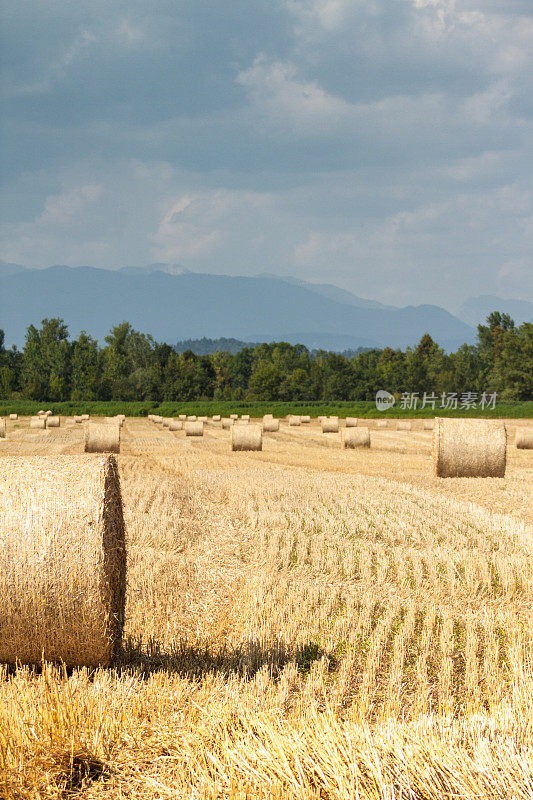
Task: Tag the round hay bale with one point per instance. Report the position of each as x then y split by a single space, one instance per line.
234 416
245 417
193 428
330 425
294 421
246 437
183 417
78 420
13 416
404 425
38 422
524 438
47 413
305 419
355 437
202 419
216 417
41 413
381 423
351 422
176 425
2 429
227 423
102 438
270 425
85 418
53 422
469 448
167 421
268 416
192 418
321 419
62 560
157 419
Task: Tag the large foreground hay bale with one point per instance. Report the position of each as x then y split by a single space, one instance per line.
194 428
2 428
351 422
404 425
524 438
330 425
469 448
102 438
62 560
355 437
53 422
176 425
294 421
227 423
38 422
246 437
13 416
270 425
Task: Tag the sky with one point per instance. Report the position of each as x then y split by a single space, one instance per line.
381 145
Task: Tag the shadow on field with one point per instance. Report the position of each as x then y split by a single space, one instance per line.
191 662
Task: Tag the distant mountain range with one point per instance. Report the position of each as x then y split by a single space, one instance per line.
171 304
476 309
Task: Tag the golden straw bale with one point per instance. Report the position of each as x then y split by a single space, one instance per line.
193 428
53 422
404 425
78 420
2 428
102 438
469 448
13 416
246 437
216 417
157 419
234 416
202 419
330 425
381 423
321 419
268 416
355 437
62 560
428 425
192 418
167 421
176 425
41 413
38 422
227 423
183 417
246 417
305 419
85 418
351 422
294 421
270 425
48 413
524 438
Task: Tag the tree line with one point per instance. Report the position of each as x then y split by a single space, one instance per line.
132 366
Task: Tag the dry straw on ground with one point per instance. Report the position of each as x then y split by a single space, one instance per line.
102 438
404 425
62 560
355 437
2 428
351 422
246 437
13 416
524 438
428 425
469 448
330 425
53 422
38 422
193 428
270 425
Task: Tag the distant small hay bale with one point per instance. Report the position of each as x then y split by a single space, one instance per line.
246 437
524 438
469 448
193 428
404 425
48 413
2 429
53 422
381 423
227 423
202 419
192 418
330 425
41 413
62 560
428 425
245 417
78 419
183 417
216 417
268 416
351 422
157 419
270 425
167 422
305 419
38 422
294 421
176 425
234 416
321 419
13 416
355 437
102 438
112 421
85 418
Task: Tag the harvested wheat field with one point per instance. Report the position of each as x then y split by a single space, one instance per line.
303 621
